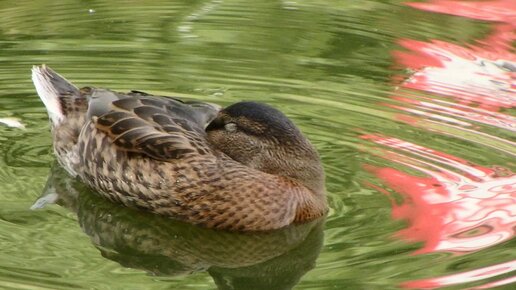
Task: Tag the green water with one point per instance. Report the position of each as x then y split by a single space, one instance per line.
328 65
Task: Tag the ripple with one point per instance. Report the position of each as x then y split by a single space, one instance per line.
329 66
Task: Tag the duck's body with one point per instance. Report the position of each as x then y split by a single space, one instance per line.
155 153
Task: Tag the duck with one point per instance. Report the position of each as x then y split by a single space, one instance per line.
244 167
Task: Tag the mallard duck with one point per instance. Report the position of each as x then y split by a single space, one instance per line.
246 167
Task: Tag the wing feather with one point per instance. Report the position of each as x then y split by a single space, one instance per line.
161 128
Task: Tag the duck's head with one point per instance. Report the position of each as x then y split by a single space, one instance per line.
263 138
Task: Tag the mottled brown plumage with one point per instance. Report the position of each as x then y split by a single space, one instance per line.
246 167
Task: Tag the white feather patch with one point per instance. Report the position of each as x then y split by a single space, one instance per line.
47 94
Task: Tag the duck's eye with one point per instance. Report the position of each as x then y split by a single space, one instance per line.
230 127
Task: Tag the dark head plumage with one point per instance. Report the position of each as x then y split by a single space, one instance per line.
257 119
263 138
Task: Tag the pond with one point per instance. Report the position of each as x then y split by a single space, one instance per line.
410 105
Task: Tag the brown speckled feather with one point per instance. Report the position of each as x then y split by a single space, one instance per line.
152 153
146 126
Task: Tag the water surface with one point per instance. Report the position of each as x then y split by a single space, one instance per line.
411 106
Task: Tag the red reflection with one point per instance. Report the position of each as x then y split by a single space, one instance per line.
496 10
457 207
452 205
470 75
480 78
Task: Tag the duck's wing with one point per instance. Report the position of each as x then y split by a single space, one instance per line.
159 127
200 113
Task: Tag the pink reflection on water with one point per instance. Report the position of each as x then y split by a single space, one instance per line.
472 77
457 207
481 78
496 10
482 81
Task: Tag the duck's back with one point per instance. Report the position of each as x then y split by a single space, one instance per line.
160 127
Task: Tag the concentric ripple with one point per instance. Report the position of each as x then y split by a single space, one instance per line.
411 107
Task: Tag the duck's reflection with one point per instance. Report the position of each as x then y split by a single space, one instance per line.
161 246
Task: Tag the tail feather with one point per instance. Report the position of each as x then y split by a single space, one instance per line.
51 87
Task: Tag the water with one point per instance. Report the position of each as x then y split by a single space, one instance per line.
411 107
